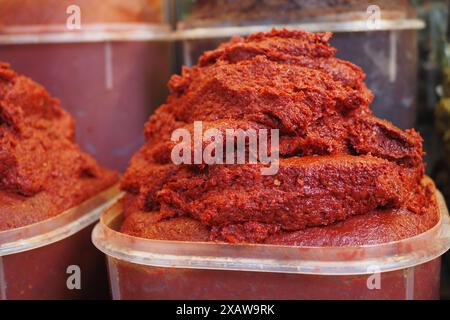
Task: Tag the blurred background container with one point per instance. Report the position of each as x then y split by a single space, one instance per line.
110 74
379 36
45 12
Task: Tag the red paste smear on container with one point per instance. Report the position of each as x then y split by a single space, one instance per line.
53 12
42 170
345 176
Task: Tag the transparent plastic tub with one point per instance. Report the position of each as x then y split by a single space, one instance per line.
153 269
37 260
109 76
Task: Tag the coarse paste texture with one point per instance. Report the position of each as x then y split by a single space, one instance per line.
345 177
42 170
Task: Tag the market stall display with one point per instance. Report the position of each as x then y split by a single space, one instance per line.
279 162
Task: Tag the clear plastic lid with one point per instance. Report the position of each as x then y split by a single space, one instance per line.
59 227
269 258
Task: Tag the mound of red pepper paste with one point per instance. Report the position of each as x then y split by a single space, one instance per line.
345 176
42 170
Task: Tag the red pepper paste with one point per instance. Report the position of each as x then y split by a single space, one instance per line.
345 177
42 170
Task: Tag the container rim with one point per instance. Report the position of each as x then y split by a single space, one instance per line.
368 259
113 32
92 32
333 26
57 228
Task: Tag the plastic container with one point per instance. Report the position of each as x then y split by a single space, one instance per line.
200 13
386 51
153 269
110 74
35 259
